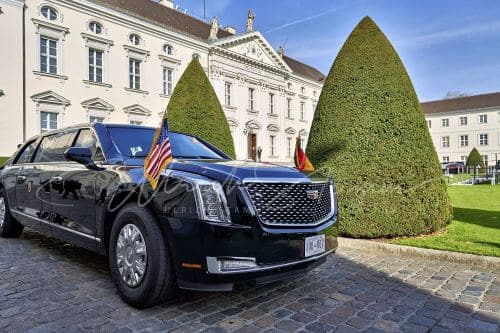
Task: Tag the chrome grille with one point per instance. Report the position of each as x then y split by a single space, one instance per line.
291 204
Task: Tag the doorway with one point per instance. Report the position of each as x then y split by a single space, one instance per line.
252 146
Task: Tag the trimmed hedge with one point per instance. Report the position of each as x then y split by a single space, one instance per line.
370 134
3 159
195 109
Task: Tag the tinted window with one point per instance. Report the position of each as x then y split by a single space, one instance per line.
27 154
136 142
87 139
52 147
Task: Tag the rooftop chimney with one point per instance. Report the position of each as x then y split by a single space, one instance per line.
167 3
230 29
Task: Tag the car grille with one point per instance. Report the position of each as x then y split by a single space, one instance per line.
288 203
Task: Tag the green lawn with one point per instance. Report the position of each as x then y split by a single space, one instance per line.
476 223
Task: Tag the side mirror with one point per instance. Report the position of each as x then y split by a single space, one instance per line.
80 155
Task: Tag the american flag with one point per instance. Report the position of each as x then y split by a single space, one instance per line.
159 155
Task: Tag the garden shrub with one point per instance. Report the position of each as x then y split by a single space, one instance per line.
370 134
195 109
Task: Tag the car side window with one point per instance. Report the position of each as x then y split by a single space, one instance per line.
52 147
87 139
27 154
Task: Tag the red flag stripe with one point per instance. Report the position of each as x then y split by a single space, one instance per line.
153 159
165 147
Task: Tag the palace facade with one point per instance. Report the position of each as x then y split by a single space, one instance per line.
459 124
75 61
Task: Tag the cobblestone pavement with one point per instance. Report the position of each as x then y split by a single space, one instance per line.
46 286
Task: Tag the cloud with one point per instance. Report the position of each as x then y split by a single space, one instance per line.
450 34
302 20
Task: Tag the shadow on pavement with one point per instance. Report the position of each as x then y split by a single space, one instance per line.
47 285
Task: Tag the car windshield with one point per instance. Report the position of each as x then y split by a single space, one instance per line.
135 142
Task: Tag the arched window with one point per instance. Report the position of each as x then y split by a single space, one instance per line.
196 56
168 49
95 27
49 13
134 39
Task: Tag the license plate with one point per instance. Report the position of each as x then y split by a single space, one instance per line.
314 245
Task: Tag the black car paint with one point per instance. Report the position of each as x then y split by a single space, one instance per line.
71 202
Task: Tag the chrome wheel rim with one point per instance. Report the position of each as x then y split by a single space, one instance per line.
2 212
131 255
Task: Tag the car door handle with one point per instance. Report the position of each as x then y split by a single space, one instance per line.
21 179
57 179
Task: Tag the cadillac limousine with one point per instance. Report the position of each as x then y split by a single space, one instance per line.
212 222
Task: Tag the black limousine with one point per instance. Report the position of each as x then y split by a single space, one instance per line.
211 222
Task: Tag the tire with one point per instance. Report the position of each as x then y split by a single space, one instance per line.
9 227
158 281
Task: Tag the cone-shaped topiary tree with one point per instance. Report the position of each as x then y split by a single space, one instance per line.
474 160
370 134
195 109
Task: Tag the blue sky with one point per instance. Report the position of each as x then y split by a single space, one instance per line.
446 45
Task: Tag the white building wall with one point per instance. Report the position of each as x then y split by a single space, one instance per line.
69 88
473 129
11 79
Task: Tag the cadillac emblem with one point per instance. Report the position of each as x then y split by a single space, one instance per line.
312 194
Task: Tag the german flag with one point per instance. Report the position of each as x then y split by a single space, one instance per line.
302 163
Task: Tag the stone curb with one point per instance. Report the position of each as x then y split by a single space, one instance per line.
415 252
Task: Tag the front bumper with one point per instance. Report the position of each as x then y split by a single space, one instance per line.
277 256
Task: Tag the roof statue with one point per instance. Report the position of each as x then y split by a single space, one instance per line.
214 29
250 19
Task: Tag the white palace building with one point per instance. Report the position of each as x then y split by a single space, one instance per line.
66 62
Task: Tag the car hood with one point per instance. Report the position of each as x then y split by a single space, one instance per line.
236 171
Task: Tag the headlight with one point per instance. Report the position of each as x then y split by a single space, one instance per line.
211 202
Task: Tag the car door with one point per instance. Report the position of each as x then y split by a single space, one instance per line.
73 197
49 154
22 181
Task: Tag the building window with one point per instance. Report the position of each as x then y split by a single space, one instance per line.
288 147
302 110
251 99
446 159
95 65
48 121
483 118
271 103
168 49
463 121
463 158
315 93
49 13
227 93
134 39
485 160
445 122
134 70
445 141
95 27
48 55
168 81
483 139
303 90
94 120
135 122
196 56
429 123
289 108
272 140
464 140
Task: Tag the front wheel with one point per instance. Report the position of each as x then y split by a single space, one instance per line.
139 258
9 227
